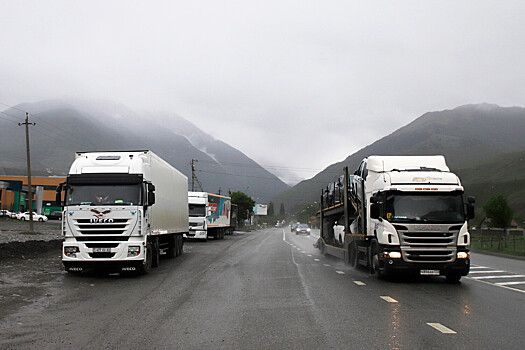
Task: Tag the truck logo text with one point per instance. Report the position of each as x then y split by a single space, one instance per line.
100 220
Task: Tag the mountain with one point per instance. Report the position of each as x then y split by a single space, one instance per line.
66 126
466 136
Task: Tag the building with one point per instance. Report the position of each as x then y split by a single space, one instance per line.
13 193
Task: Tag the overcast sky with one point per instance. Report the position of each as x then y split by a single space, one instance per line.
295 85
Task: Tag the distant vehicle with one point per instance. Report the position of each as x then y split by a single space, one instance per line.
36 217
293 227
13 214
210 215
5 213
302 228
56 215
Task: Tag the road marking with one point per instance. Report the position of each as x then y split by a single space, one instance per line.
497 285
341 272
317 260
309 254
509 283
327 265
486 271
478 267
359 283
491 277
298 248
284 235
441 328
389 299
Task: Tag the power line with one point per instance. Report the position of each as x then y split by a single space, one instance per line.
18 109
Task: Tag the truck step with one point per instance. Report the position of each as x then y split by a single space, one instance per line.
363 262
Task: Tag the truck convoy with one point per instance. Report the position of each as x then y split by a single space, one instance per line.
211 215
398 213
121 210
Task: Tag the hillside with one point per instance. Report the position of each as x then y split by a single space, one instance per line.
465 135
64 127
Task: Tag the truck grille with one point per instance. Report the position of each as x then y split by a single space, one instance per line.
428 243
117 227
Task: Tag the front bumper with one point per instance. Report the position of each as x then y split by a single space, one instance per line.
459 267
197 234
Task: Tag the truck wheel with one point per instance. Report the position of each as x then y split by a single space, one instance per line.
374 259
352 255
453 278
146 266
172 245
155 247
181 245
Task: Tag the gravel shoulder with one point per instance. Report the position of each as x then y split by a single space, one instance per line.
16 242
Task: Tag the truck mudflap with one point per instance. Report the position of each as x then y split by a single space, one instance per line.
388 265
114 266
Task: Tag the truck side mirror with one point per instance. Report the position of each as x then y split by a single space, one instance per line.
470 211
151 194
374 199
374 210
58 198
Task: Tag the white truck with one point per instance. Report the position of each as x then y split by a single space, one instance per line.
121 210
399 213
210 215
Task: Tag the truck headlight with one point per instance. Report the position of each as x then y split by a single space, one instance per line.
71 251
463 255
133 251
392 255
308 230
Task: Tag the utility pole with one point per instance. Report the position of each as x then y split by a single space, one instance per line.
194 176
29 189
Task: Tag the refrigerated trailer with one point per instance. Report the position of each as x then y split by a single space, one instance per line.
398 214
121 210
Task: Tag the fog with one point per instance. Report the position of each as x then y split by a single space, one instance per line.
295 85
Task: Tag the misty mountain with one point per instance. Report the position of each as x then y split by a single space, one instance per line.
64 127
467 136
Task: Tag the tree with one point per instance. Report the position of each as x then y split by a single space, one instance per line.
270 209
244 203
282 212
500 214
498 211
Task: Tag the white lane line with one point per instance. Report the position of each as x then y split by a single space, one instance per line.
341 272
509 283
487 271
492 277
317 260
298 248
389 299
441 328
359 283
496 285
309 254
284 235
327 265
478 267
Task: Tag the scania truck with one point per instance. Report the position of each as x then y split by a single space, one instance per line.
121 210
210 215
398 214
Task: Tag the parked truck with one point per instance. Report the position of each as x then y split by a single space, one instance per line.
398 214
121 210
210 215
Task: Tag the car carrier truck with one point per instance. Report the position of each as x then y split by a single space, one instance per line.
398 214
210 215
121 210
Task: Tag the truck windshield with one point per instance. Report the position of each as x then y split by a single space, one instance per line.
425 207
197 210
104 194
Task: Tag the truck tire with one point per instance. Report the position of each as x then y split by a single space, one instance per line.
172 245
352 255
374 258
181 245
145 267
155 257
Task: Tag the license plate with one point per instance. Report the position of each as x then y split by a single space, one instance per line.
429 272
101 250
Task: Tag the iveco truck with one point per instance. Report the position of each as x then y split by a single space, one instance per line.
210 215
399 214
121 211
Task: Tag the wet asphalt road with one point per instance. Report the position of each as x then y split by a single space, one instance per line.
264 289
